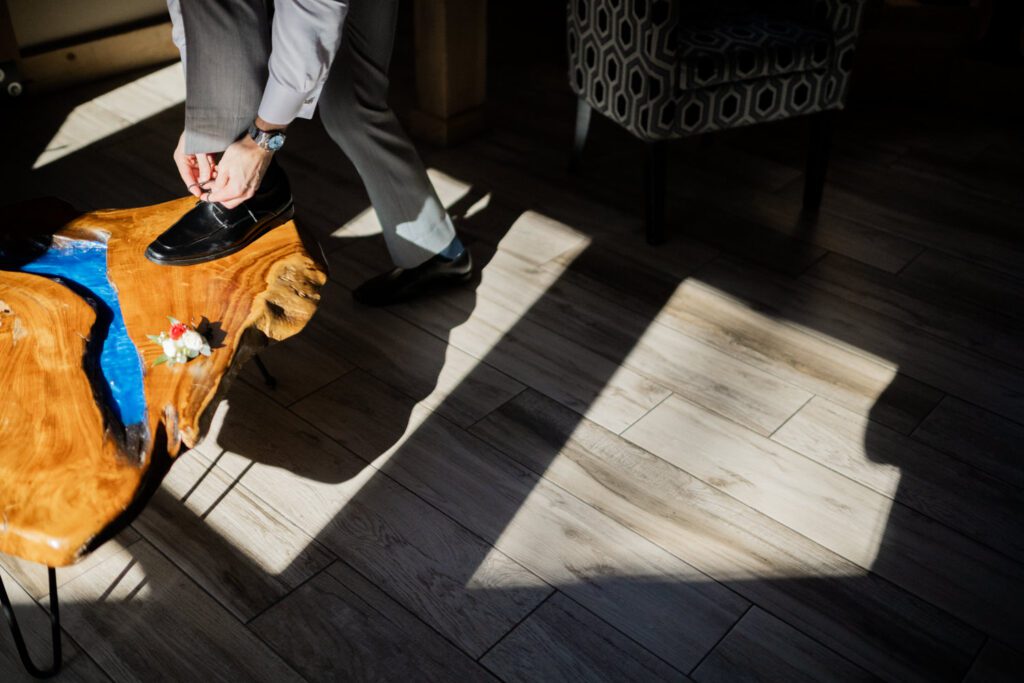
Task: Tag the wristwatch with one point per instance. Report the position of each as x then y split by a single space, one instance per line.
270 140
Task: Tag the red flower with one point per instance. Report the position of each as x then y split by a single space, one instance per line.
178 329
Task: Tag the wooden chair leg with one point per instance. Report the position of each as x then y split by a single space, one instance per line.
817 158
654 191
19 639
583 111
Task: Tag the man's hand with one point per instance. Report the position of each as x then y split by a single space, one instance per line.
196 170
239 173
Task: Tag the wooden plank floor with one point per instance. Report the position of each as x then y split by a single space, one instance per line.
780 447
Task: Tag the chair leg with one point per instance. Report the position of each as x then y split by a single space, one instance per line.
583 111
817 158
19 639
654 191
268 379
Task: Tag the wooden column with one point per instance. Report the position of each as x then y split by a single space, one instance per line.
451 69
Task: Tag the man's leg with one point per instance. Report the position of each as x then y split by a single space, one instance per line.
226 47
228 44
355 112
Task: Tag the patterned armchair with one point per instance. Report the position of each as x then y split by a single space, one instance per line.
666 69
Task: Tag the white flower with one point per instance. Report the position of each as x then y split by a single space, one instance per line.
169 347
192 341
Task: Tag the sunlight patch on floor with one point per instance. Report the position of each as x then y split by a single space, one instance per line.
114 111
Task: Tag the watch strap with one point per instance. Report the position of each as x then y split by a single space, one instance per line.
270 140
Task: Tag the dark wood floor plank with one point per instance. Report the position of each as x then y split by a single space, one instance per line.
866 619
763 649
977 437
961 280
657 599
920 307
405 356
371 637
563 642
35 624
997 663
865 199
140 618
511 343
226 539
449 578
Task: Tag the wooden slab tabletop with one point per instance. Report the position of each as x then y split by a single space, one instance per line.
69 469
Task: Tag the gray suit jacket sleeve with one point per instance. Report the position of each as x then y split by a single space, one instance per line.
305 36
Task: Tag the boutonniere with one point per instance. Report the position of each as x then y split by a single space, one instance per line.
180 344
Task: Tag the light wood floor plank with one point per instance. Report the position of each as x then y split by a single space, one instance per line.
563 642
687 365
142 619
762 649
226 539
719 320
925 558
947 367
370 637
868 620
660 601
33 576
941 487
435 568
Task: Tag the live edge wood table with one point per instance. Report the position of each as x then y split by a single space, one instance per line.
88 425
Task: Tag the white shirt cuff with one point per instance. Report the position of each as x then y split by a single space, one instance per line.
281 105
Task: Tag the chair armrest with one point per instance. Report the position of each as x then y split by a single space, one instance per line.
843 17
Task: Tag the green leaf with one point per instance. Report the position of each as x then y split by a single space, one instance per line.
160 360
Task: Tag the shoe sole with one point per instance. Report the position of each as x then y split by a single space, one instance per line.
286 215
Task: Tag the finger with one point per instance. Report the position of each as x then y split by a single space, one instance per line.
188 175
227 194
205 168
215 188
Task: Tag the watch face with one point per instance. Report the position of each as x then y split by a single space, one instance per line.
275 142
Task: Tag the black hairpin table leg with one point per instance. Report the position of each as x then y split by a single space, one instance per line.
269 379
19 640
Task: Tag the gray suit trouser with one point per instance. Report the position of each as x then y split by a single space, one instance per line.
228 49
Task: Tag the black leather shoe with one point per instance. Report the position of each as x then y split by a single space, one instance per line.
210 231
402 284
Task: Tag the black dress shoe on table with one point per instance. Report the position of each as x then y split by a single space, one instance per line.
402 284
210 231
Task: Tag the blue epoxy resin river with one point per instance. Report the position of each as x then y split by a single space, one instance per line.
82 266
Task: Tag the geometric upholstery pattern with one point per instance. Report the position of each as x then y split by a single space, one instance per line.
728 49
648 65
